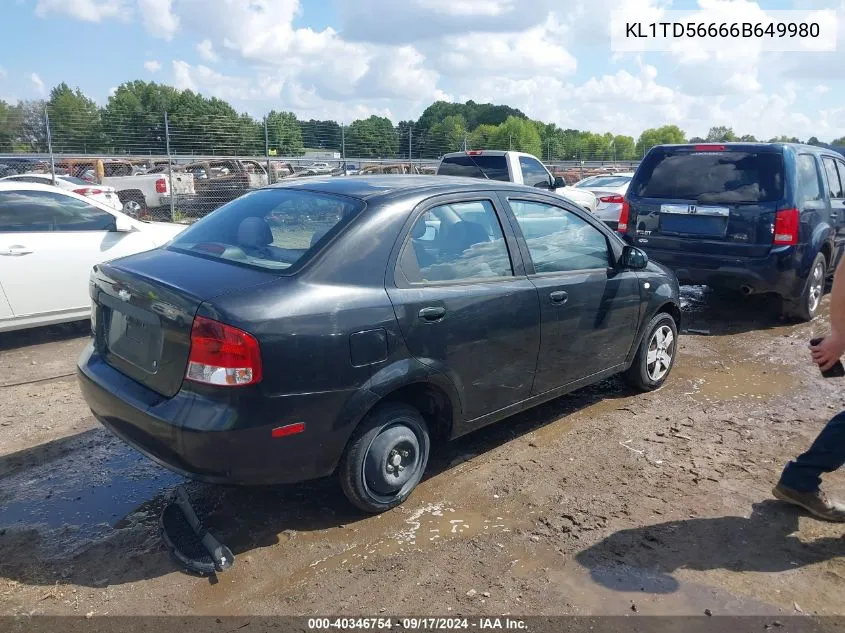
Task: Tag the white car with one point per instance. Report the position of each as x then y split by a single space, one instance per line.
610 190
49 241
101 193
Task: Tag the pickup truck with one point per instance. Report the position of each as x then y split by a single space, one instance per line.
138 194
515 167
222 180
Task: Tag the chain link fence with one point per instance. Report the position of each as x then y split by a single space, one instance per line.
181 168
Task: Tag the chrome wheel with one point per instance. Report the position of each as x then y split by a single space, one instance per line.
132 208
661 352
814 297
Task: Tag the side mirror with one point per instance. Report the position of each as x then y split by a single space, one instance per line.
123 224
559 183
633 258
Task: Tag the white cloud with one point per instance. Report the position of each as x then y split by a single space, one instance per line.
821 89
152 65
3 72
467 7
87 10
158 18
206 51
36 81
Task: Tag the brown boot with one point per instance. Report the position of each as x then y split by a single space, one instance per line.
816 503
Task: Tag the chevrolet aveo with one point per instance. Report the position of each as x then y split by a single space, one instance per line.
337 326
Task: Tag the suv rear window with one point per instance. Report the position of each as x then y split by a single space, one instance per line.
481 166
269 228
711 177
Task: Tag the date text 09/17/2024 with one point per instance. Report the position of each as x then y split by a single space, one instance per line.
417 624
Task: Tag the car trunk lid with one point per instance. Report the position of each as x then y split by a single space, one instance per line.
707 199
144 307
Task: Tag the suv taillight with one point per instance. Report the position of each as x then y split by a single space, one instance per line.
222 355
622 226
787 222
161 185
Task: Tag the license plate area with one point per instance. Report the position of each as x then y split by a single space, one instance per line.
134 336
694 220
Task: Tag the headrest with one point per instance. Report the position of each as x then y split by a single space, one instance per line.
254 232
418 230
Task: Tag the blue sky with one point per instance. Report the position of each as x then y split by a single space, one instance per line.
348 59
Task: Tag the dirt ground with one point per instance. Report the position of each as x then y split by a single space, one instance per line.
601 502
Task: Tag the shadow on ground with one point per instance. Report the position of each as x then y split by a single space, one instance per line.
644 558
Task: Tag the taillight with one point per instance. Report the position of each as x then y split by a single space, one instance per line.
616 199
787 222
622 226
161 185
222 355
86 191
474 152
709 148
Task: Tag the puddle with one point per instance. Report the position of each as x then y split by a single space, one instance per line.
737 382
102 489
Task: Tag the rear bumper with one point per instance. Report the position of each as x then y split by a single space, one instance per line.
775 273
210 440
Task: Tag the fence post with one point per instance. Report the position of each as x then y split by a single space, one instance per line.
410 143
267 151
50 147
169 168
343 147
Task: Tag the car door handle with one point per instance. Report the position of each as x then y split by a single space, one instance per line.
432 315
16 251
558 296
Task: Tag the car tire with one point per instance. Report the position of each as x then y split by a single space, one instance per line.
659 345
134 204
385 458
807 305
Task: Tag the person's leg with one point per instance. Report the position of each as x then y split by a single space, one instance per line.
800 481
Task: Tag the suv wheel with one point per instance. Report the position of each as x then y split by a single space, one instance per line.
386 458
656 355
807 305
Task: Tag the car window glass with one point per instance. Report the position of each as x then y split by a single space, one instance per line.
268 228
834 185
37 211
808 178
558 240
457 241
533 173
492 167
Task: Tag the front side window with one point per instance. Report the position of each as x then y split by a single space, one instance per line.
268 228
457 241
41 211
808 178
558 240
533 173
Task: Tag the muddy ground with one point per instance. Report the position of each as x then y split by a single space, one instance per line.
601 502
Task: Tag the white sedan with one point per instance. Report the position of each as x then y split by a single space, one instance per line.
101 193
49 241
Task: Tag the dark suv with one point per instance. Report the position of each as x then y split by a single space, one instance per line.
336 325
749 217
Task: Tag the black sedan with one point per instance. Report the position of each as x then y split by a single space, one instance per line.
338 325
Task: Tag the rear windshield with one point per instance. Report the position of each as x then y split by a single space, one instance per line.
707 177
604 181
269 228
74 180
492 167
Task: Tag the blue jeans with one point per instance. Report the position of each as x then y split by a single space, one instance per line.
825 455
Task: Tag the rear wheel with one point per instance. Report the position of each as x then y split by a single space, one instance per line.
134 204
386 458
807 305
656 355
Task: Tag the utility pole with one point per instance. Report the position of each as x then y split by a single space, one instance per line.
267 151
50 147
510 141
169 168
410 143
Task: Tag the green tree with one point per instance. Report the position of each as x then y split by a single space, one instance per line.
373 137
658 136
448 136
814 141
696 139
624 147
133 119
519 135
784 139
482 137
721 134
75 124
321 134
748 138
10 123
839 142
284 134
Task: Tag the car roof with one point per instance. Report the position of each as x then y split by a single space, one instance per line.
393 185
31 174
13 185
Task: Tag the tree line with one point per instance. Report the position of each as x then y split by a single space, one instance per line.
133 122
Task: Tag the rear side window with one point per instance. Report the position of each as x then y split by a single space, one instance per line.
456 242
480 166
41 211
808 178
834 178
268 228
711 177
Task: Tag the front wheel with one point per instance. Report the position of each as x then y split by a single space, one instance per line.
807 305
656 354
386 458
